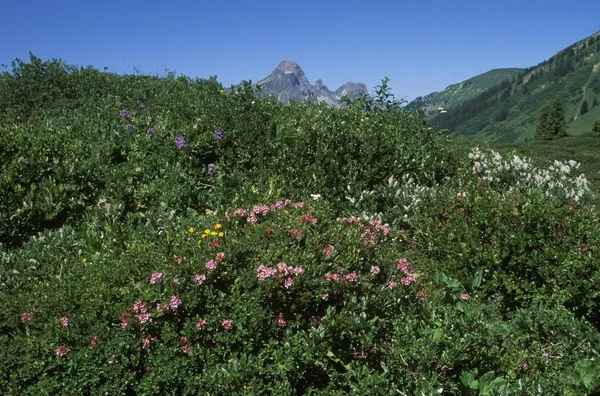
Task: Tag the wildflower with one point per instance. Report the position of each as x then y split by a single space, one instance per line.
315 196
332 277
83 260
227 324
25 316
328 250
218 226
176 281
298 204
211 265
64 321
62 350
139 307
281 321
200 278
403 265
308 219
392 285
208 212
220 256
129 128
218 134
175 303
375 270
144 317
221 234
124 320
211 169
289 282
265 272
126 115
408 279
178 259
352 277
215 244
421 296
296 233
200 324
191 230
150 132
464 296
180 142
185 349
147 340
524 366
94 341
156 277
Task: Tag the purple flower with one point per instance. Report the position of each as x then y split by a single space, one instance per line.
129 128
180 142
150 132
212 169
126 115
218 134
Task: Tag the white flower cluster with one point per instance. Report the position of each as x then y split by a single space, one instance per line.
406 194
514 173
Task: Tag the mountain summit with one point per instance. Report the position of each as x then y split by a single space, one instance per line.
289 82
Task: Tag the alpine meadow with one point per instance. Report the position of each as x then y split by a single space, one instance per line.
173 236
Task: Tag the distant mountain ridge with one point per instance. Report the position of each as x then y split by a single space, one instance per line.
456 94
288 82
503 105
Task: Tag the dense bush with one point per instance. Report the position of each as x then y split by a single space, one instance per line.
168 236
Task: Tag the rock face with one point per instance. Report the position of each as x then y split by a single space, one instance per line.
288 82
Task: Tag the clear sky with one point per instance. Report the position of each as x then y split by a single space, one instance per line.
423 46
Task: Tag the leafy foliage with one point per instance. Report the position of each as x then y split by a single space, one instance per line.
168 236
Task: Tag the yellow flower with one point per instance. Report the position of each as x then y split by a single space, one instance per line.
213 233
207 231
203 235
221 234
191 230
84 260
199 242
217 226
208 212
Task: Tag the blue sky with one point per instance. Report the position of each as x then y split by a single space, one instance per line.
422 46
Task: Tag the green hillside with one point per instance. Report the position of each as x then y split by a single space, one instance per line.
508 110
456 94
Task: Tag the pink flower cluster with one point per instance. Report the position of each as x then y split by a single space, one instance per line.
62 350
328 250
185 347
141 312
370 232
25 316
258 211
409 277
308 218
227 324
281 271
335 277
200 278
211 265
296 233
147 340
200 324
281 321
157 277
64 321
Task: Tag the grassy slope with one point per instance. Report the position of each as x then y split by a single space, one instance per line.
455 94
527 98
